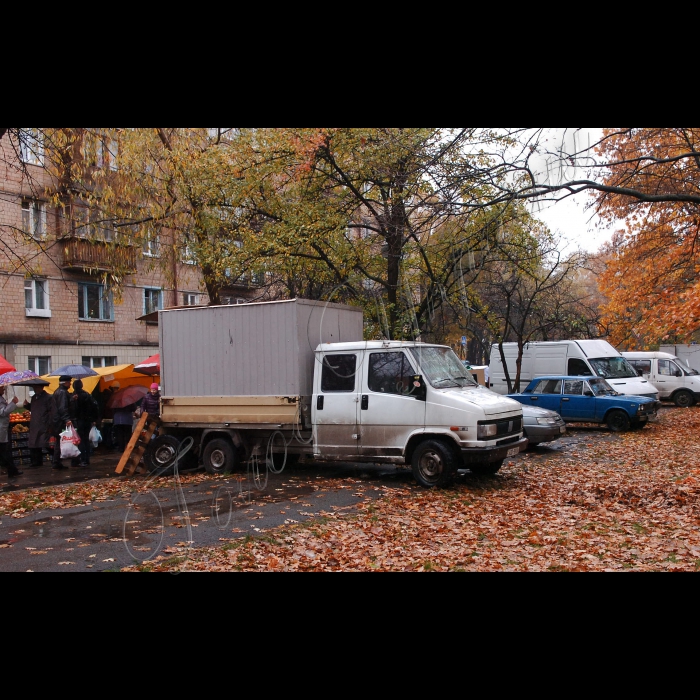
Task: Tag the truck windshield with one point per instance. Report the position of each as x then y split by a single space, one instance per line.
613 368
600 387
442 368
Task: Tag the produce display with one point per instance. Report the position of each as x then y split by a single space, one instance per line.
20 417
18 429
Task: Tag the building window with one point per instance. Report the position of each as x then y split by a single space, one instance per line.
40 365
36 298
31 146
152 300
95 303
99 362
151 246
34 218
190 299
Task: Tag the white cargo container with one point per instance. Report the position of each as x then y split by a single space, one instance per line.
281 380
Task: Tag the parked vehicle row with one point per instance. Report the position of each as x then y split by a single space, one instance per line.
671 375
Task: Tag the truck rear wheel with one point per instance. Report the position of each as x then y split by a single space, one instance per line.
220 457
486 469
434 465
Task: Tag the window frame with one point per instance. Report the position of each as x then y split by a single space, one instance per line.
34 365
146 291
33 311
109 299
31 147
34 218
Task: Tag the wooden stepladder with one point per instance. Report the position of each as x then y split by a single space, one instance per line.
133 454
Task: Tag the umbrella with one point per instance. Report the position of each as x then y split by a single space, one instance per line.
13 378
149 367
34 382
126 397
5 366
74 371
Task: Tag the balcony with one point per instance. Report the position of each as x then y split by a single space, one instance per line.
80 255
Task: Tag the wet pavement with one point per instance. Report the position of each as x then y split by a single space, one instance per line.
106 536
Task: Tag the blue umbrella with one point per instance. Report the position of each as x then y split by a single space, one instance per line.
74 372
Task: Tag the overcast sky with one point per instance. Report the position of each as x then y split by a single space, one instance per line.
582 228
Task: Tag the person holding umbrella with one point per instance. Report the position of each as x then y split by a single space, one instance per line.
6 408
41 425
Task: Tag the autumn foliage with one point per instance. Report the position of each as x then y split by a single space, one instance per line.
652 280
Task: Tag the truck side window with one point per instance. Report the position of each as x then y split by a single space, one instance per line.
339 372
669 369
390 373
578 368
642 366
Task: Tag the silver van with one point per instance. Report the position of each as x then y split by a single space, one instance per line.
671 375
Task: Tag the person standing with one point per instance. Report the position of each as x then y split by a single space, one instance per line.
61 418
84 412
123 426
151 402
41 424
6 459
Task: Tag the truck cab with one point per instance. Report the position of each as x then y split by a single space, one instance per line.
672 376
413 403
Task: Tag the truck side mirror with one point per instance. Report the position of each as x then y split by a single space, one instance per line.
419 389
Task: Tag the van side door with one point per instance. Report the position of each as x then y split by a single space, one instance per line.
336 404
669 377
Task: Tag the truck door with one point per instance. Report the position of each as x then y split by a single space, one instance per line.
336 405
389 412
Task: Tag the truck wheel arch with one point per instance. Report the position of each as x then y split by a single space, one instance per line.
419 438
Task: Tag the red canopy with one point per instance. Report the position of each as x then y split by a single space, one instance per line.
149 367
5 366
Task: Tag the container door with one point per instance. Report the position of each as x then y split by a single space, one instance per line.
336 405
389 412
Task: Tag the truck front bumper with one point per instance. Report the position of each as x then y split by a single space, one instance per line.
487 455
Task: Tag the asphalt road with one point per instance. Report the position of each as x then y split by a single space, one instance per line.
107 536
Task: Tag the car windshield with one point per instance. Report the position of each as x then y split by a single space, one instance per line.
442 368
613 368
600 387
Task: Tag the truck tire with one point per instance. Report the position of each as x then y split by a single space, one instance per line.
434 465
618 421
220 457
683 399
160 455
486 469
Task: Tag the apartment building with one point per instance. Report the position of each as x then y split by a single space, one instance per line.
54 308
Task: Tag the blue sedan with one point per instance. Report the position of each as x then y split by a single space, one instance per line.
588 400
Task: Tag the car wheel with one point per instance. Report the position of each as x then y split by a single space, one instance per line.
618 421
160 455
487 469
434 464
684 399
220 457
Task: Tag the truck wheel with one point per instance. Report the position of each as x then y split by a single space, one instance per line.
618 421
684 399
486 469
160 455
434 465
220 457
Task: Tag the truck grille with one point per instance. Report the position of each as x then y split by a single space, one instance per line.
511 426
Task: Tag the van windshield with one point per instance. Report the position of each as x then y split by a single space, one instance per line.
442 368
613 368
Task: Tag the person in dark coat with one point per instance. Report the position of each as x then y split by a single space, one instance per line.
61 417
151 402
123 426
84 411
41 425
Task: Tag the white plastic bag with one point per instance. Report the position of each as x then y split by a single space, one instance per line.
95 437
69 443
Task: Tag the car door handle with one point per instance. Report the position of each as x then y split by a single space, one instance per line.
566 399
365 403
319 403
534 398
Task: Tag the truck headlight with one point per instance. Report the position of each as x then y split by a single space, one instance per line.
487 431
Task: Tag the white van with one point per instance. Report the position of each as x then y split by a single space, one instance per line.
570 358
671 375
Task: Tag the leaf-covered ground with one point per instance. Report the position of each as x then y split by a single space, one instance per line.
629 503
